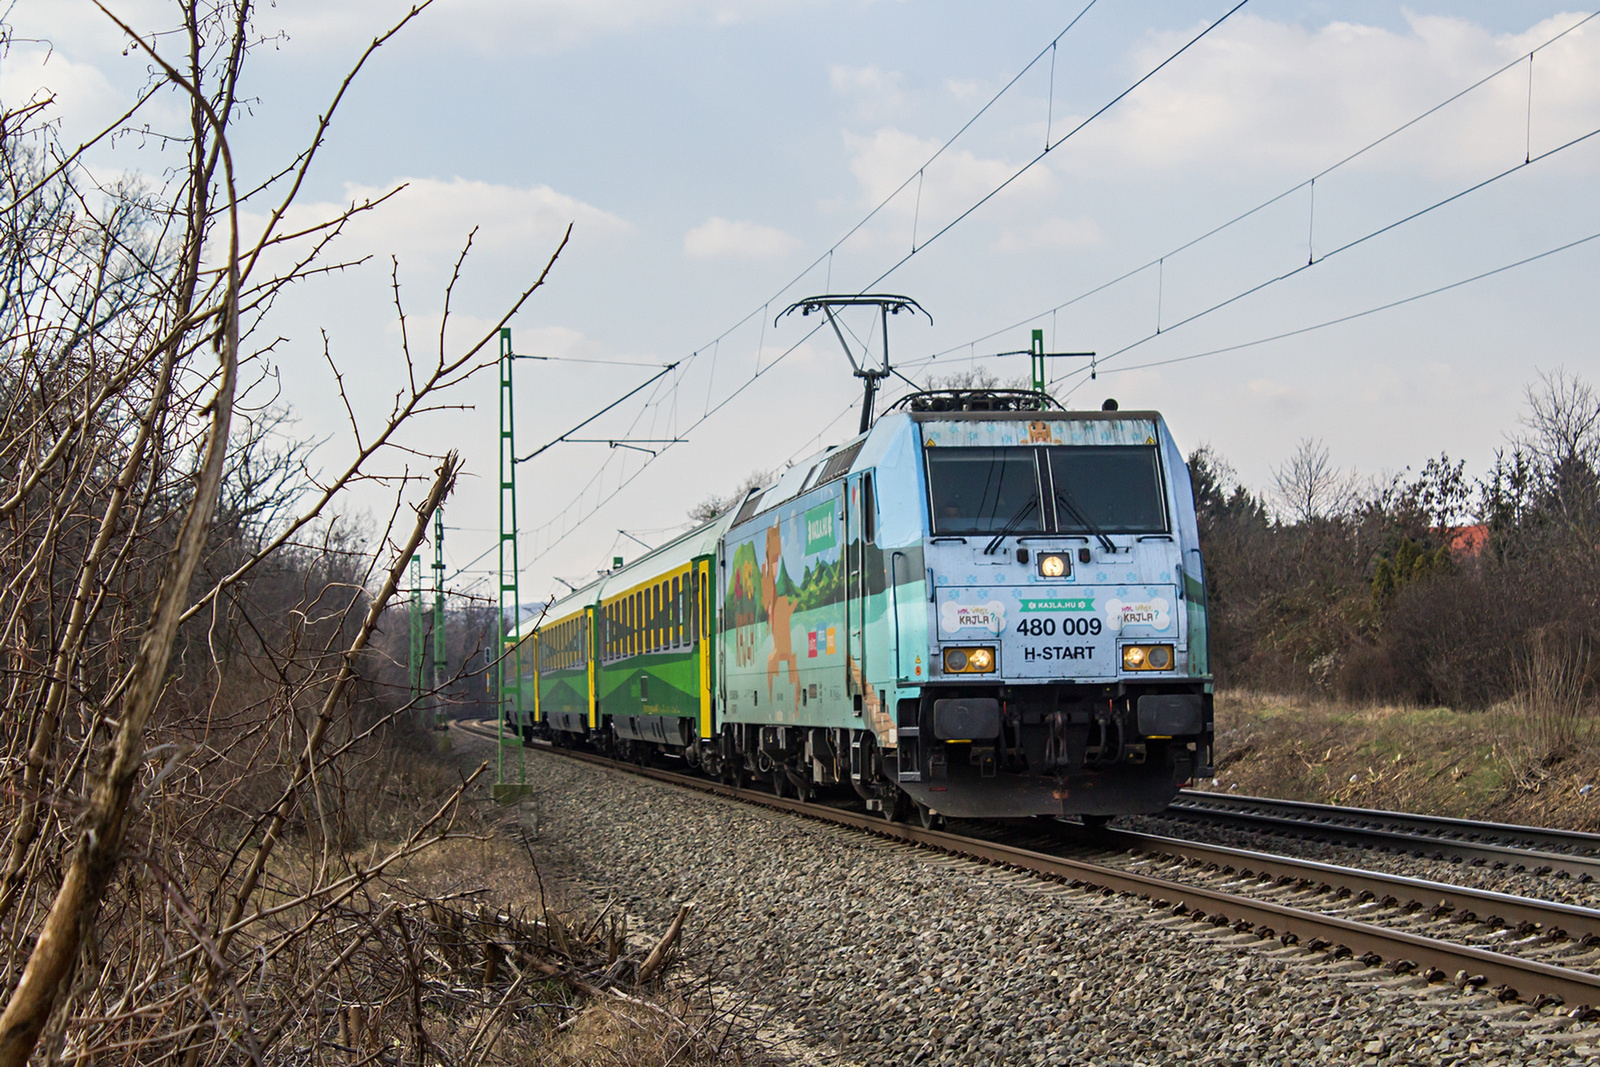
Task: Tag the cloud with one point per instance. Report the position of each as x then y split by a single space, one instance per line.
429 219
83 98
874 91
1278 394
542 27
951 184
1259 93
963 89
1052 232
719 238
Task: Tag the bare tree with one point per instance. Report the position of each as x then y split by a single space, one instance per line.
712 506
1562 422
186 627
1309 487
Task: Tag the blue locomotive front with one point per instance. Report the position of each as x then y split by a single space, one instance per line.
1065 623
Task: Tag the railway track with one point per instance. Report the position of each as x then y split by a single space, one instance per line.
1517 947
1503 846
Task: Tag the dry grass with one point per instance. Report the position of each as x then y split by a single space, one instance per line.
1526 760
517 972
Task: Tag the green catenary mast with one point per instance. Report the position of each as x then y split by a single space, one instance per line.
418 636
509 689
440 650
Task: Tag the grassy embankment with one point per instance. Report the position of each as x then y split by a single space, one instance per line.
1527 761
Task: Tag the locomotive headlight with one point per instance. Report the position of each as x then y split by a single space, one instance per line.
969 660
1147 657
1053 565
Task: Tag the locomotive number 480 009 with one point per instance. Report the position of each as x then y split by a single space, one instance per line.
1069 627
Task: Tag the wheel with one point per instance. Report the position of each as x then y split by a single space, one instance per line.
804 789
927 818
897 807
780 782
1094 825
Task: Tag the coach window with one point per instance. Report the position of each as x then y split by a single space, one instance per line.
677 612
655 617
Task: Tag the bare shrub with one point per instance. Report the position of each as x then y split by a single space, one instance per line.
1550 714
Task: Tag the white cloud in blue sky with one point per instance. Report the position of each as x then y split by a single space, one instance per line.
719 238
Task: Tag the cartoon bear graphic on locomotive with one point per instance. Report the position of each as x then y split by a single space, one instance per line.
981 606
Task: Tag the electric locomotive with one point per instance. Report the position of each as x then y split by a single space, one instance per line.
982 606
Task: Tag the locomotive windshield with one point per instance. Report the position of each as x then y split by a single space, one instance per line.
984 490
1107 489
1097 489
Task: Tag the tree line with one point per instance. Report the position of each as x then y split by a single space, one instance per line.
1428 587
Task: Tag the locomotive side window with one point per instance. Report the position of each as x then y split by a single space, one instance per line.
984 490
1109 488
869 511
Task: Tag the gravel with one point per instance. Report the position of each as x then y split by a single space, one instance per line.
863 950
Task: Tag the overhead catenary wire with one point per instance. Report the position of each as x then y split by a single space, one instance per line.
826 256
1270 201
1348 245
1353 316
1103 109
825 259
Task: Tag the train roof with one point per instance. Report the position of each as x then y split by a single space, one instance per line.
1032 416
700 541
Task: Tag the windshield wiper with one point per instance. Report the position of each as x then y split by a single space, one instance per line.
1012 524
1065 500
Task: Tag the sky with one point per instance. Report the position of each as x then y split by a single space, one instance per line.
711 155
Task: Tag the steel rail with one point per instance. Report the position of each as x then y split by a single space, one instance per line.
1399 841
1510 975
1463 903
1439 826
